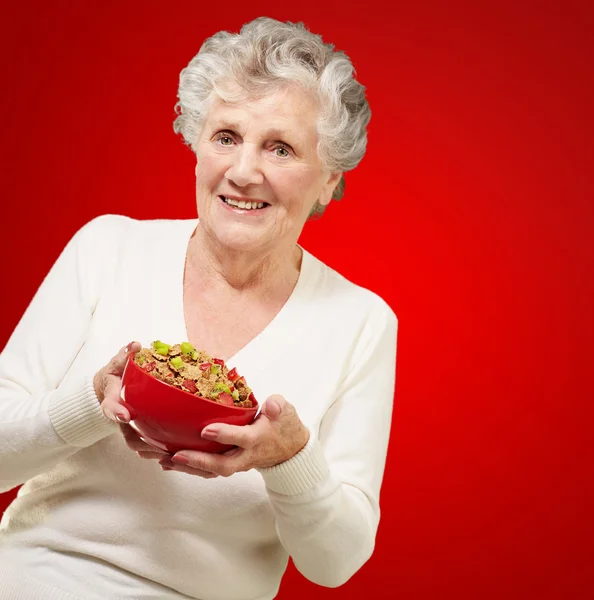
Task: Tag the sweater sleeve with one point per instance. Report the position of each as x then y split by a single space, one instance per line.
326 498
42 419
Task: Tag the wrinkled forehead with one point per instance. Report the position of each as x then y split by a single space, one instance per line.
283 107
233 91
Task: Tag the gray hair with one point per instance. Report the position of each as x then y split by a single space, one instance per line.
265 56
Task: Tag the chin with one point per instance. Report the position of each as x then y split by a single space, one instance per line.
243 239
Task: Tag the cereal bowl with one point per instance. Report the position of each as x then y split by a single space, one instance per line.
171 418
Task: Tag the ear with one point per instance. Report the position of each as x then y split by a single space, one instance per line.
328 189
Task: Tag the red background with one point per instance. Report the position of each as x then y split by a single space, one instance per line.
472 214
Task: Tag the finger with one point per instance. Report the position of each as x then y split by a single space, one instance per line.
118 362
168 465
190 471
232 452
212 463
150 455
244 436
112 407
134 442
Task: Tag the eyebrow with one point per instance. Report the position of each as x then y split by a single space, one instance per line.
272 132
230 125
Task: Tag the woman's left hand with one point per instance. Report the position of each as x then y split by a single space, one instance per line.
275 436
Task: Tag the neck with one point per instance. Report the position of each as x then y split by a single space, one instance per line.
243 271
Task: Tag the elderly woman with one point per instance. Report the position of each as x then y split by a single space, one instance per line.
275 118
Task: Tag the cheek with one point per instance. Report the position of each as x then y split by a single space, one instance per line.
208 170
302 179
303 190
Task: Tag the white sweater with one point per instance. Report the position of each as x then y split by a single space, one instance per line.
95 521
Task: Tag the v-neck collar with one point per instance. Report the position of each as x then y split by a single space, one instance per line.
249 358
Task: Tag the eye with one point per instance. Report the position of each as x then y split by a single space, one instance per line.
284 152
224 138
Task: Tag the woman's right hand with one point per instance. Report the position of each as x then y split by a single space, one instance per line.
108 384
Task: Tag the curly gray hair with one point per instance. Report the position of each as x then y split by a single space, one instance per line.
263 57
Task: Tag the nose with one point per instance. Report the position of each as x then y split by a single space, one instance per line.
245 166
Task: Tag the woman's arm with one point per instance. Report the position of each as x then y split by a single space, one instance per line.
42 420
326 498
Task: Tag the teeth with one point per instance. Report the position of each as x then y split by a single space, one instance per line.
243 204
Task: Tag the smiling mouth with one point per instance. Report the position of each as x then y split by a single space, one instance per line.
243 205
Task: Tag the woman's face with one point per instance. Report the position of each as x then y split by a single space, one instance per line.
262 151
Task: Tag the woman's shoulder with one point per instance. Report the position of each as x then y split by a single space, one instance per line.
109 240
117 226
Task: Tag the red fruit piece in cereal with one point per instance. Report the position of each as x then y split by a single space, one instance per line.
190 385
225 398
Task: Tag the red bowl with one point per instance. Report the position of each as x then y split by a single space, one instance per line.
172 419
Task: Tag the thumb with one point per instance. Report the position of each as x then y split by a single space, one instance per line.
273 407
110 397
118 362
111 406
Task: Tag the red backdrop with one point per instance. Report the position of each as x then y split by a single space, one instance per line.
471 214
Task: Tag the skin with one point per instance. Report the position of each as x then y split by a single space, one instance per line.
263 149
237 154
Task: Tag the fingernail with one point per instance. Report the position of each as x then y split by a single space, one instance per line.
180 458
209 434
121 419
128 347
166 468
